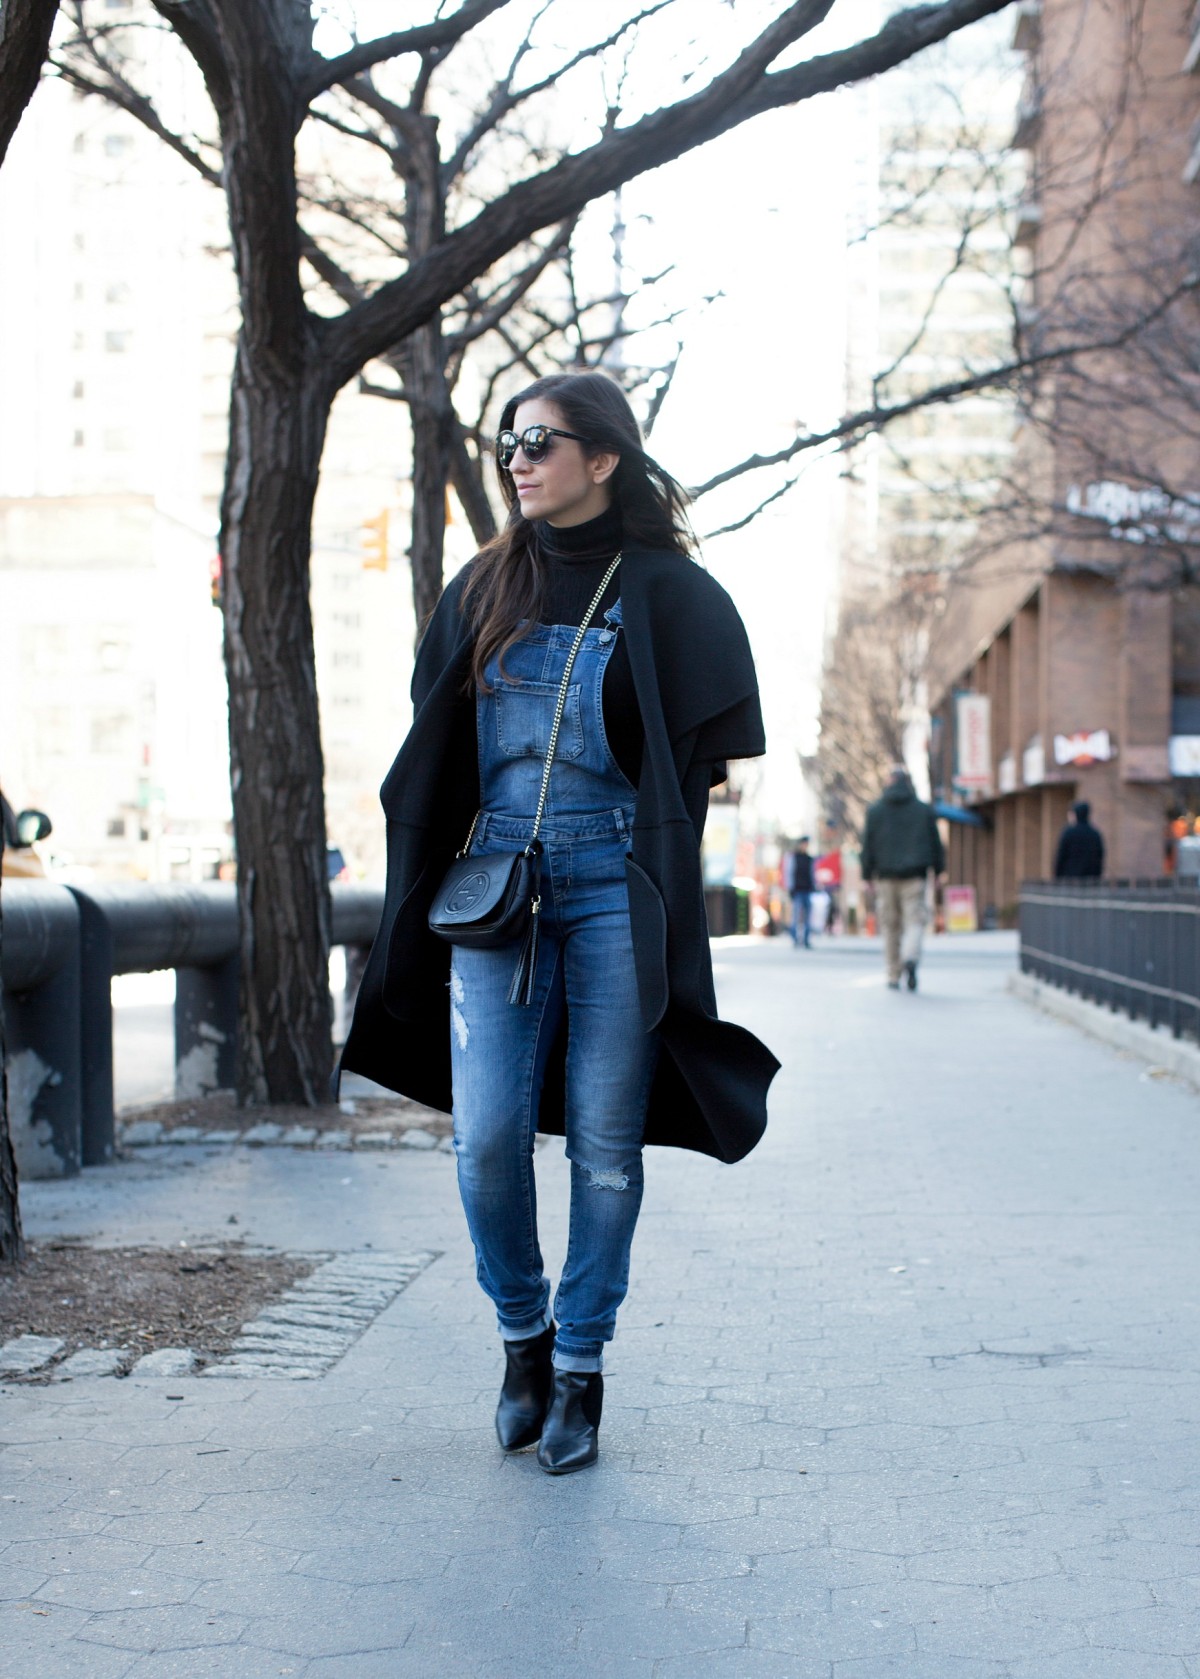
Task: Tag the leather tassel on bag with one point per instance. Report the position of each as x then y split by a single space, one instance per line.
521 989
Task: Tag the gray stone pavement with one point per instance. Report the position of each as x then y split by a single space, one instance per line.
911 1392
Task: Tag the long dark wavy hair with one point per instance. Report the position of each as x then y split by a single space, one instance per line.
505 587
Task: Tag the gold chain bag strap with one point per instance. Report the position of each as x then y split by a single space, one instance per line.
486 902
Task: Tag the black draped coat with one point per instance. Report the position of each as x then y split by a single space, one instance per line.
698 697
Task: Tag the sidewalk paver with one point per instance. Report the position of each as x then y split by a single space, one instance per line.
911 1392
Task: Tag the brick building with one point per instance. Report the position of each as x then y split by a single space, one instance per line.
1075 636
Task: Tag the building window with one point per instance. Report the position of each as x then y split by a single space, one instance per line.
55 731
117 293
80 142
117 343
117 145
112 731
77 389
113 654
77 440
116 827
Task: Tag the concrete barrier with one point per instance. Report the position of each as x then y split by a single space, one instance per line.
62 947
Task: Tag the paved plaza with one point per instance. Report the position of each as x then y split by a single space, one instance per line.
912 1393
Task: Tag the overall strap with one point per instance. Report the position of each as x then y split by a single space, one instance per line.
562 692
559 708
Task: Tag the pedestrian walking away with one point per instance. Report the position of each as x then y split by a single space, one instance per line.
828 873
801 884
901 844
1080 854
602 1028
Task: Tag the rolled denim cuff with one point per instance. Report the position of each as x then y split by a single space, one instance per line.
584 1364
525 1331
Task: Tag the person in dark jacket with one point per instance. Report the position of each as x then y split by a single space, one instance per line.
801 886
1080 854
620 1044
901 844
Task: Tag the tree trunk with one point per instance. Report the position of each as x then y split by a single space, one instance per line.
422 357
12 1246
466 476
279 409
277 426
25 27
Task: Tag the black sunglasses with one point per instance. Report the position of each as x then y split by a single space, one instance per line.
534 440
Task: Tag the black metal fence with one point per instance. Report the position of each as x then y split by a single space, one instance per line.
1131 945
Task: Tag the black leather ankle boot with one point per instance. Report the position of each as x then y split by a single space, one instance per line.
525 1392
569 1433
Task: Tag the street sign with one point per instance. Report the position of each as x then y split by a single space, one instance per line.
973 742
959 905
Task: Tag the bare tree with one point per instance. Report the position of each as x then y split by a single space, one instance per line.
265 79
871 689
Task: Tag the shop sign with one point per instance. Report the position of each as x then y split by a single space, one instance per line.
1146 516
1006 774
958 905
1183 754
1084 748
973 742
1033 763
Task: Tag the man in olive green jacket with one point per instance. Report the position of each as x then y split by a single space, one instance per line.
901 844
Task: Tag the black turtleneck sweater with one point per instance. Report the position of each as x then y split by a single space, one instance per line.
575 558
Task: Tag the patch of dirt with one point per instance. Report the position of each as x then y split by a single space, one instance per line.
220 1112
142 1298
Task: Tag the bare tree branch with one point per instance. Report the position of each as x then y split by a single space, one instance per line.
749 518
744 90
507 300
117 91
1003 376
505 100
422 38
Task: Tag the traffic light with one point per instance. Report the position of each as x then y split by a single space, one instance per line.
375 542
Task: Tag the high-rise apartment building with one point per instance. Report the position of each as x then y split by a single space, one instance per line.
929 299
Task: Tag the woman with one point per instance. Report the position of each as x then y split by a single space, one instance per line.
619 1043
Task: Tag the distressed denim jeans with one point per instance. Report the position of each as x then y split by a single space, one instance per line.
584 987
499 1052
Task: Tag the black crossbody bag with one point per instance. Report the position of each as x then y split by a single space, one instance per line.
486 902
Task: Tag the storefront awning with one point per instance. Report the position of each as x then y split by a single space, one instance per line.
958 813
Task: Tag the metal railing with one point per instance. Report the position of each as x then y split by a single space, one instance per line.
1130 945
62 947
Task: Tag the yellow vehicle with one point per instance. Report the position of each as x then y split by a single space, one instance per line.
22 832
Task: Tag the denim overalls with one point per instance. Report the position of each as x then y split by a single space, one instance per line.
585 967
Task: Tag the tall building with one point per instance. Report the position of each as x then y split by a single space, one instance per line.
1071 668
928 300
117 325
